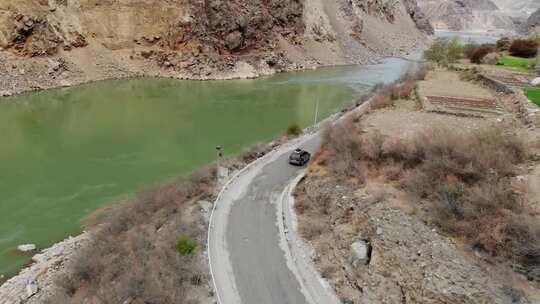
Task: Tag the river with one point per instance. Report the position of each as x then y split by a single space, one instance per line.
67 152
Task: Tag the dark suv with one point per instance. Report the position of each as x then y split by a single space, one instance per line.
299 157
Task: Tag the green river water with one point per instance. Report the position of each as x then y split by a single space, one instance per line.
66 152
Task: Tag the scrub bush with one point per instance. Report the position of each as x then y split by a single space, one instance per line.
478 54
130 253
504 44
445 52
524 48
186 246
465 180
293 130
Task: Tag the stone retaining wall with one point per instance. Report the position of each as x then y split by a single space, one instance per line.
528 112
495 84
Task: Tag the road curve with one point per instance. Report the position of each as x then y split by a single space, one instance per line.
247 261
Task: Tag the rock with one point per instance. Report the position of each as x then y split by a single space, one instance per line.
26 247
532 26
128 301
206 206
5 93
31 288
536 82
361 252
521 178
147 54
234 40
491 58
417 15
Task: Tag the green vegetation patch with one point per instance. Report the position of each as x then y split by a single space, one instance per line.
293 130
517 63
534 95
186 246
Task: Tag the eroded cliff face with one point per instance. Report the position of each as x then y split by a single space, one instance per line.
467 15
201 39
532 26
518 8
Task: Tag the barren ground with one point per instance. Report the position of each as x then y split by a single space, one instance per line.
412 260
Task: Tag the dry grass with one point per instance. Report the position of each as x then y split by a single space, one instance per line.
465 180
385 95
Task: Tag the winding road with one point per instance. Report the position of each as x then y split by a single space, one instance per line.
247 252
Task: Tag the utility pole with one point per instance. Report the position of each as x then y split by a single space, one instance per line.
316 111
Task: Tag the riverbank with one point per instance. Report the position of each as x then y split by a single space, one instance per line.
25 75
36 283
294 37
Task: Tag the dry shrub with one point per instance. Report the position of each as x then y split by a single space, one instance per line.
344 148
404 89
255 152
503 44
132 254
479 53
316 205
383 96
420 73
467 180
524 48
466 177
313 230
381 101
392 172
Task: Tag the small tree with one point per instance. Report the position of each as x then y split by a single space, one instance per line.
444 51
455 51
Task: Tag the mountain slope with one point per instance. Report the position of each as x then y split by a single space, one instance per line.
472 15
532 26
518 8
83 40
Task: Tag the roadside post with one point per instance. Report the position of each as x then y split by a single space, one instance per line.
316 111
219 150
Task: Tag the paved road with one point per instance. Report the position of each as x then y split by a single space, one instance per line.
248 263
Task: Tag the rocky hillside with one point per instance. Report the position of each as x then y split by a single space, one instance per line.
48 43
471 15
532 26
518 8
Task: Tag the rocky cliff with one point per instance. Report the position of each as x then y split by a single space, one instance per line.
532 26
518 8
48 43
472 15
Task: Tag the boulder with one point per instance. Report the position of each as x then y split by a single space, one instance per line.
234 40
206 208
26 247
360 252
31 288
491 58
536 82
5 93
